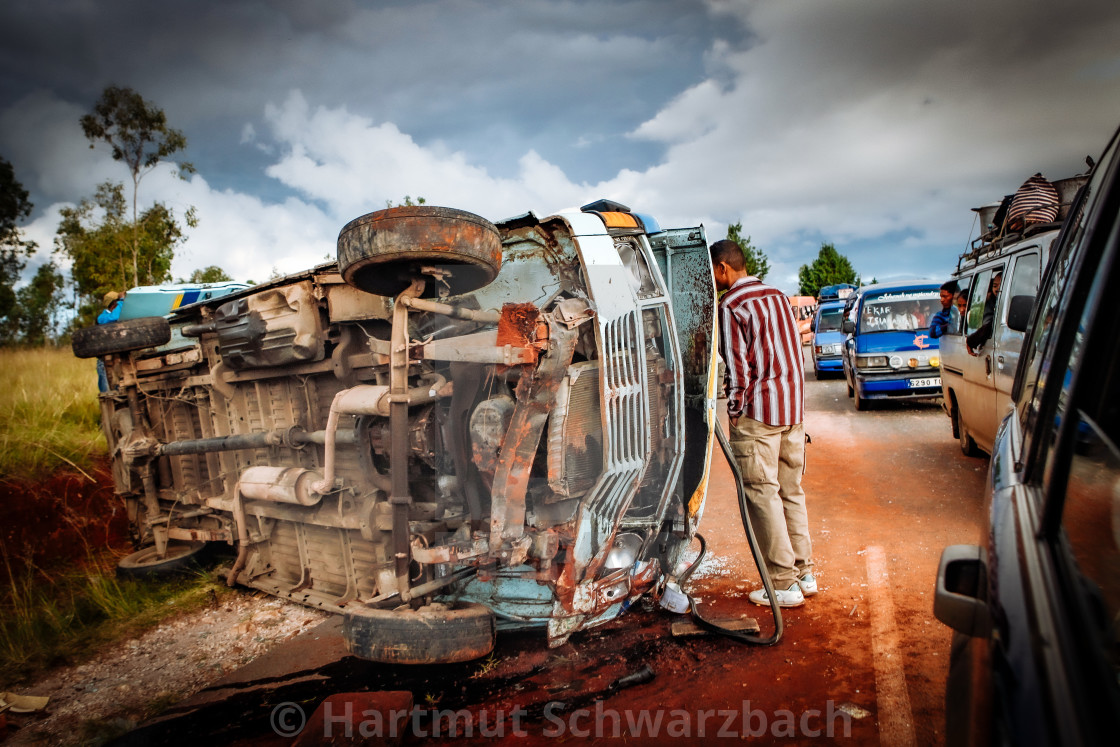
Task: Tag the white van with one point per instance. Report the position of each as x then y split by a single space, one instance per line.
976 383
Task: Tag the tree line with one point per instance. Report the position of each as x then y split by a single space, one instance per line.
110 243
829 268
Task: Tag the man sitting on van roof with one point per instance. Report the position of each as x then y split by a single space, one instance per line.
939 325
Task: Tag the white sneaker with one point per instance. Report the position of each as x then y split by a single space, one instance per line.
791 597
808 584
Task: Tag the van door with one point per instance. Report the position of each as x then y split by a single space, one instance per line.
1024 274
976 399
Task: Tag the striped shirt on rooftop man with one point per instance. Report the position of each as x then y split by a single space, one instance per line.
761 347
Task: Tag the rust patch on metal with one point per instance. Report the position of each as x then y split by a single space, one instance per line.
518 324
519 327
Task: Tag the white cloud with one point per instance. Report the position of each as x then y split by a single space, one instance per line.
352 166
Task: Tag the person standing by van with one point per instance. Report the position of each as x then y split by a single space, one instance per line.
111 313
939 325
761 347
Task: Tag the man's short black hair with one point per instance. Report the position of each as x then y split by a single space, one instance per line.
726 250
951 286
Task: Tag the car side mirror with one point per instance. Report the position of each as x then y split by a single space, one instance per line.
1019 312
961 582
848 327
813 326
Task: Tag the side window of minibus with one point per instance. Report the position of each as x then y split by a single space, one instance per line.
976 300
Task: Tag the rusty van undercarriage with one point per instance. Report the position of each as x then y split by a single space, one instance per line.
456 428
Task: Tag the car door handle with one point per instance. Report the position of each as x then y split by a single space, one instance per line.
988 365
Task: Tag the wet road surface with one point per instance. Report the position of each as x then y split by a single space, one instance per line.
863 662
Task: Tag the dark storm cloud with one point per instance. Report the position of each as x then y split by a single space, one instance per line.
499 78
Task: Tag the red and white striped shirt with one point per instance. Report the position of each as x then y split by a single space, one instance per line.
761 346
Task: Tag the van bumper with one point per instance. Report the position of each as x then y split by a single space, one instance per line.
893 386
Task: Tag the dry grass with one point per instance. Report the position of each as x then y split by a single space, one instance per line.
49 416
50 423
66 616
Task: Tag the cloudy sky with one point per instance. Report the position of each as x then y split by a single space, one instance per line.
872 124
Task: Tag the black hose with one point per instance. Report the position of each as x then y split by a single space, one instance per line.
759 562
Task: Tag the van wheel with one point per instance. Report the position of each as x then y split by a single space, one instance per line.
147 563
861 403
381 252
120 337
850 390
433 634
968 446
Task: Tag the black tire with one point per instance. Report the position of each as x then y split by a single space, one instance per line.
968 446
435 634
861 403
146 562
851 391
382 252
121 337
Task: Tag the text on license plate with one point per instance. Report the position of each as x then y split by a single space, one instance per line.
920 383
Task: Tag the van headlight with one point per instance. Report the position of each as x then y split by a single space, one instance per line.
871 361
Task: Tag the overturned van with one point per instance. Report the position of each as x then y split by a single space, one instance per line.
459 427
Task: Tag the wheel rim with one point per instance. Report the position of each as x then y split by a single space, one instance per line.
149 555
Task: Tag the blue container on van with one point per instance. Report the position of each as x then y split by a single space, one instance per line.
162 300
888 353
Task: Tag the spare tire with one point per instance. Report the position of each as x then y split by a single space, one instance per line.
433 634
120 337
381 252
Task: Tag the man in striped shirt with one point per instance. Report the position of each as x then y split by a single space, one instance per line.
761 347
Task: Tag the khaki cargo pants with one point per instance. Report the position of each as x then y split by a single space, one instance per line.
772 460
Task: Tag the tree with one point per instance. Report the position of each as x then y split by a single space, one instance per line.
37 303
91 235
829 268
14 250
138 133
756 262
211 274
407 202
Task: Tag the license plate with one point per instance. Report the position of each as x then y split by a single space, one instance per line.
922 383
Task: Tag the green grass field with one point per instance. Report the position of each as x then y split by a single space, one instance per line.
49 416
60 604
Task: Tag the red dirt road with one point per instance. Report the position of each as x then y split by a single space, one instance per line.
863 662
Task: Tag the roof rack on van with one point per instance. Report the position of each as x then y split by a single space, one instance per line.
994 237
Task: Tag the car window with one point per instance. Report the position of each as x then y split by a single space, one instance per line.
1024 278
829 320
976 300
1083 478
1091 527
905 311
955 317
